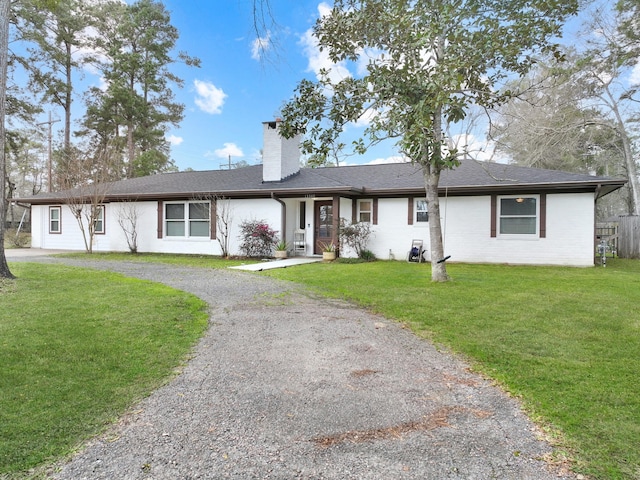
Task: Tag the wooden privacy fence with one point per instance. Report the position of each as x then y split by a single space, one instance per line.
629 236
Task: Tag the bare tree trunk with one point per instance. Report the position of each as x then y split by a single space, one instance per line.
68 100
223 223
130 150
85 200
438 267
4 53
630 162
128 221
431 171
77 209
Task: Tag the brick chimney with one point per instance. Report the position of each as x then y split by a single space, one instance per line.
280 156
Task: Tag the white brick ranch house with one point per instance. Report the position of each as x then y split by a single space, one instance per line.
491 213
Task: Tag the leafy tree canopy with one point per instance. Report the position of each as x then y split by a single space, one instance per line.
139 101
424 63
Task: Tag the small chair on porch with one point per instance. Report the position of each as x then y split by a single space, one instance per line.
299 243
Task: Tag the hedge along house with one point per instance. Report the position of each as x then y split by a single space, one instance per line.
491 213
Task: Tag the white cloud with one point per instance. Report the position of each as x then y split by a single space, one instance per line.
634 78
366 118
174 140
320 60
228 150
392 159
476 148
368 55
209 97
260 46
103 84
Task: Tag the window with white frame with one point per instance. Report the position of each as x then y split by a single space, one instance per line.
187 219
55 220
365 211
422 213
518 215
99 220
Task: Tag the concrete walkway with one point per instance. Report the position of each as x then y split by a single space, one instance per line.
288 262
18 253
11 253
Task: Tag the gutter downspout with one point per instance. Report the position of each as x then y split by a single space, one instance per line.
283 217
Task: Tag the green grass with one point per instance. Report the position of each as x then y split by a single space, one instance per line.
564 340
78 347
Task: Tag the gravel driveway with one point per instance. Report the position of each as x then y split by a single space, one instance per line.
288 386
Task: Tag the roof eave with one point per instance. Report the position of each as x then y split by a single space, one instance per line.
607 186
600 186
248 193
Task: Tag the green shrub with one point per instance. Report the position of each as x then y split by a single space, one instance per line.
367 256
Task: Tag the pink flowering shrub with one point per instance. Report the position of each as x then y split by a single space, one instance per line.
257 238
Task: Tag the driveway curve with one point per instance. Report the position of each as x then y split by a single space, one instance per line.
285 385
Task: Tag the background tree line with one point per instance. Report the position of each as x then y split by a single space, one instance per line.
582 114
131 46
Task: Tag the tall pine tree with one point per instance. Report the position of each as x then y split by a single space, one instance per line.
138 105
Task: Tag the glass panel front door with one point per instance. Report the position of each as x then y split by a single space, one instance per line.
323 231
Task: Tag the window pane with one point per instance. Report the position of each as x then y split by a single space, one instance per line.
325 226
175 229
199 211
198 229
517 206
518 225
422 216
303 216
421 205
54 220
99 221
325 231
175 211
365 217
365 207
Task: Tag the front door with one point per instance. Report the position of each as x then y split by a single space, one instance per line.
323 226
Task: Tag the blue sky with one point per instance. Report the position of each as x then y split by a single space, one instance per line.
235 90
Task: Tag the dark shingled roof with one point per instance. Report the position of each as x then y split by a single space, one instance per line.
397 179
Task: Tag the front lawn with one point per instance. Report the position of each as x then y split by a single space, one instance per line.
77 348
564 340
